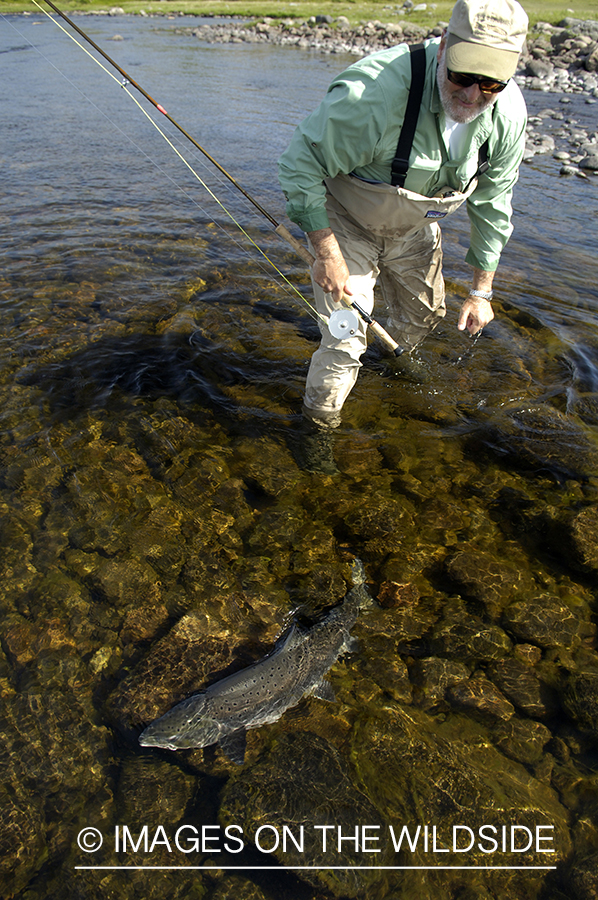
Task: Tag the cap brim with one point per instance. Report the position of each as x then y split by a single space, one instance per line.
479 59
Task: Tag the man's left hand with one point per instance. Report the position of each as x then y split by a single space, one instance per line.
475 314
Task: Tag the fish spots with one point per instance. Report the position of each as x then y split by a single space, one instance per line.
262 693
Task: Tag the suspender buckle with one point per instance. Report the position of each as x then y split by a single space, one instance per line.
398 171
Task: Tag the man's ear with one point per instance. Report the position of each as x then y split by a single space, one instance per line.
442 44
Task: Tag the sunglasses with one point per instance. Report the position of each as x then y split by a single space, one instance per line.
486 85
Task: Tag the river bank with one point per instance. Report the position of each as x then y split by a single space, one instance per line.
561 57
558 59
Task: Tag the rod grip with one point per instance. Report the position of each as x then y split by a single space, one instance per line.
297 246
384 336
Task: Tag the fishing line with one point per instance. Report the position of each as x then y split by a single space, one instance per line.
206 187
140 149
342 323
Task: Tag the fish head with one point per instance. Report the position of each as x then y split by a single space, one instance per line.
186 725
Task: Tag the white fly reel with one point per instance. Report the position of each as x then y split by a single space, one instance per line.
343 324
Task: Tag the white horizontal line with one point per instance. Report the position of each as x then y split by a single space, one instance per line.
316 868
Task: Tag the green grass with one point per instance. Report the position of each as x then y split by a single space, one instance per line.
355 10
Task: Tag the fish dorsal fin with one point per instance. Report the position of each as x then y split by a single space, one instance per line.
323 690
234 745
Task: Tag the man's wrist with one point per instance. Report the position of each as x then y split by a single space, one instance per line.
325 244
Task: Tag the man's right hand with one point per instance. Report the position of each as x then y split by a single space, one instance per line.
329 269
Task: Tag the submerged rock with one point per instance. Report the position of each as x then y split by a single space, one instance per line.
519 682
541 437
383 527
240 888
55 765
468 638
393 594
22 843
546 621
481 698
586 407
417 770
580 699
80 885
433 676
584 537
571 534
304 783
486 579
583 877
153 792
522 740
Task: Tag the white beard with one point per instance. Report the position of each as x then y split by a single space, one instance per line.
450 99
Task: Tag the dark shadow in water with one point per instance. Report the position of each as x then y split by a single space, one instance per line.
191 371
141 365
536 441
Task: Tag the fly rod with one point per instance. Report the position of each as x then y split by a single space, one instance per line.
279 228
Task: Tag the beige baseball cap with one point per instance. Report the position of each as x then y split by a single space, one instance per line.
485 37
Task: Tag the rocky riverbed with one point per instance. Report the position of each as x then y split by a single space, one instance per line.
156 530
558 59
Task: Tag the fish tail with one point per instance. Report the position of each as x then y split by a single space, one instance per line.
359 594
357 572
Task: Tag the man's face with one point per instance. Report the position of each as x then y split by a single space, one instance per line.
460 104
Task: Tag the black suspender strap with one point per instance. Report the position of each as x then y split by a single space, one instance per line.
483 164
400 163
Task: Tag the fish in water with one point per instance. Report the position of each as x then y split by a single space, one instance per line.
260 694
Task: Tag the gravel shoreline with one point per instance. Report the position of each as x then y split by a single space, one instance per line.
558 59
561 57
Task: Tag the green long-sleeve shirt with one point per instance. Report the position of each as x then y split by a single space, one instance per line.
356 129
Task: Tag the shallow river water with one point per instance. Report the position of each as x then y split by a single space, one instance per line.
157 529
